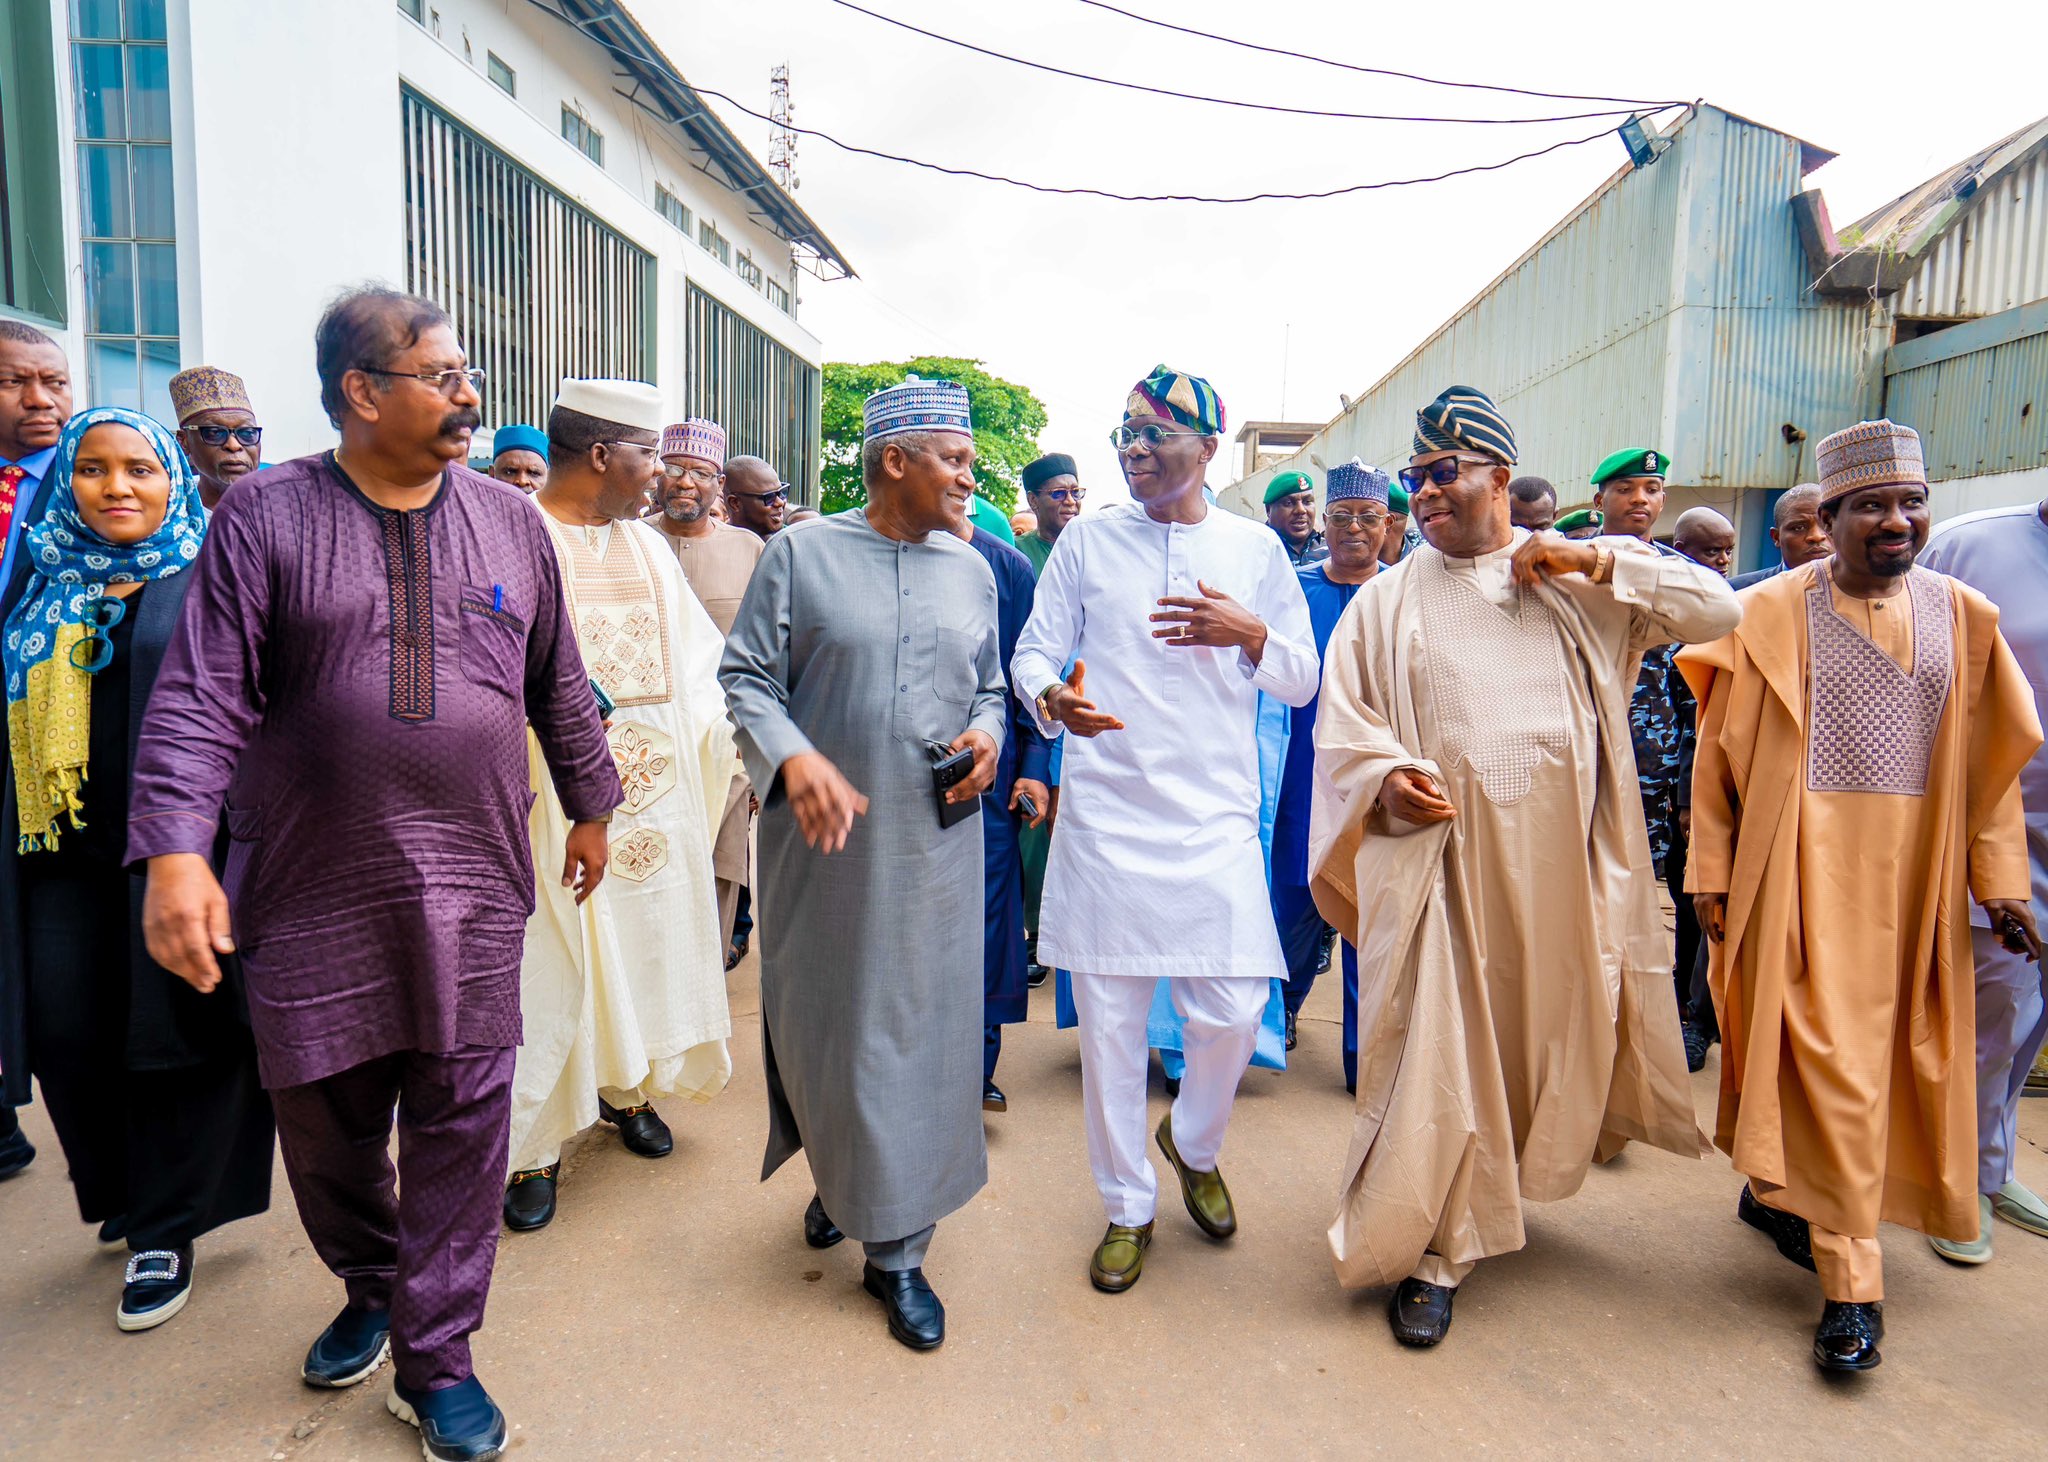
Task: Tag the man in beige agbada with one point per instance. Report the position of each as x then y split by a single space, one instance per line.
623 996
1477 826
1857 783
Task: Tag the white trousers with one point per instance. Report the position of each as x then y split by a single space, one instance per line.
1222 1017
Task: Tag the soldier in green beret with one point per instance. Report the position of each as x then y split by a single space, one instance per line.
1291 512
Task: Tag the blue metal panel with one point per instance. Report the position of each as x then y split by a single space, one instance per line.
1981 411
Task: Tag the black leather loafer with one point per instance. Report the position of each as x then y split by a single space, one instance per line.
530 1198
820 1232
1420 1313
1787 1230
641 1128
1846 1338
114 1232
916 1318
154 1288
354 1345
1036 976
992 1098
458 1423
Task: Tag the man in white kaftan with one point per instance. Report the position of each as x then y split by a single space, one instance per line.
1180 614
624 995
1477 827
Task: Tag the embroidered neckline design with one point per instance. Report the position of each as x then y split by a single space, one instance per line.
1871 724
1506 722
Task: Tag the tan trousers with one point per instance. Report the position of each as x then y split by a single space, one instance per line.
1851 1270
1444 1273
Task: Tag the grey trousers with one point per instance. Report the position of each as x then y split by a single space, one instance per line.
905 1253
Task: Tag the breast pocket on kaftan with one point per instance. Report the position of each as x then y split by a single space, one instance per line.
493 644
957 676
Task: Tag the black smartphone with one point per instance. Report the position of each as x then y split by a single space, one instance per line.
947 773
1027 805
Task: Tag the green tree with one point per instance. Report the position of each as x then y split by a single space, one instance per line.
1007 421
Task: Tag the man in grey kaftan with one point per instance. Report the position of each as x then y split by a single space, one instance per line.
869 650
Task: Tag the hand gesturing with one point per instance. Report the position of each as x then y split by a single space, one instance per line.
1068 705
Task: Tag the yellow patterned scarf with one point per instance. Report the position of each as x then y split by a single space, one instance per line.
49 730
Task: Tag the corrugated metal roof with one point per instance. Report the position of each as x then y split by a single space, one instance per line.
1995 255
1672 309
1977 394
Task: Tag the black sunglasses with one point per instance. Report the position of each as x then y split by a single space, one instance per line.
781 494
1442 472
217 436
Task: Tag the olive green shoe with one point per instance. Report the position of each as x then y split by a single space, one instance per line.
1207 1197
1974 1251
1119 1258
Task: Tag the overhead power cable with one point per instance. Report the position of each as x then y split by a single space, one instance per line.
1186 30
1114 197
1222 101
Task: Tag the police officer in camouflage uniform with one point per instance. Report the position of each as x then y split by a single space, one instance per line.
1630 495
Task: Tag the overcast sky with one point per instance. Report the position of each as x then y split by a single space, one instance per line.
1282 305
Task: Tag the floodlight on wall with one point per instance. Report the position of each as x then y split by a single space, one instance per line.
1640 136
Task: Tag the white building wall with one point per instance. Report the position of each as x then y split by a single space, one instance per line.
287 150
289 190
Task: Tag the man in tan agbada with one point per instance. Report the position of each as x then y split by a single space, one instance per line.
1860 743
1477 826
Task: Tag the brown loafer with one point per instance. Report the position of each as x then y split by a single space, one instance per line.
1119 1258
1205 1194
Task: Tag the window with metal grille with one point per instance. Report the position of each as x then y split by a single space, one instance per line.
538 289
714 242
748 270
672 208
764 394
585 138
31 188
778 295
121 83
502 76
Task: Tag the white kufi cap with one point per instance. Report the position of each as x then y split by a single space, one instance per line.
629 403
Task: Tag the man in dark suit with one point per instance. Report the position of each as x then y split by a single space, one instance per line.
35 402
1796 530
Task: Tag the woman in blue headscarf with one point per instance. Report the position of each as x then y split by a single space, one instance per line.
151 1086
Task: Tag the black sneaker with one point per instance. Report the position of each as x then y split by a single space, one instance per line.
155 1287
1696 1044
16 1153
351 1347
1036 976
458 1423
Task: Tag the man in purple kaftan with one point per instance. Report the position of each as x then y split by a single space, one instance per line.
367 636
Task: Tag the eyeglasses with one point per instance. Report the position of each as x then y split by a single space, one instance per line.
780 495
95 652
647 447
701 476
1354 520
447 382
1062 494
1126 437
1442 472
217 436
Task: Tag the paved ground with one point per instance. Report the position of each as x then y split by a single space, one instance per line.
673 1310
